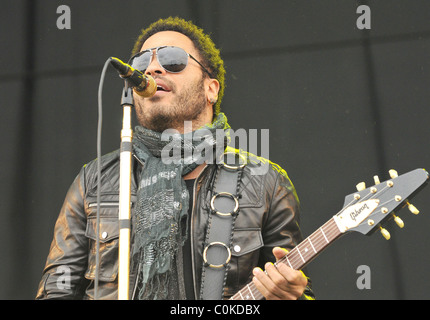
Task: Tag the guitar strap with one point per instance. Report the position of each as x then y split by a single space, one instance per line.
224 208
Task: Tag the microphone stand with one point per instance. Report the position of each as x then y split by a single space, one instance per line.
127 103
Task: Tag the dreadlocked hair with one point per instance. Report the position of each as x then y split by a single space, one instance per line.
203 43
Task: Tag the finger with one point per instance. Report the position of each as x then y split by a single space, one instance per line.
263 284
279 253
293 277
276 277
273 285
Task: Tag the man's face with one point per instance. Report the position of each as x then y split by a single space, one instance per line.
185 94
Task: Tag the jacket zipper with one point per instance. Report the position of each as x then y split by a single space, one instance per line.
104 204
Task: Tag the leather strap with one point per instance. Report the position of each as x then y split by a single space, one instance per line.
224 206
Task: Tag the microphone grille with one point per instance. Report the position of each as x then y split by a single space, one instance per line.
150 88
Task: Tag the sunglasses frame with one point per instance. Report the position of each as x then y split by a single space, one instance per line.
151 51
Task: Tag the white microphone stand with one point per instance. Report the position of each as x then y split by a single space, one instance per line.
127 103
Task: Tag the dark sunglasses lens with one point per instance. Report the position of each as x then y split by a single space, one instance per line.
172 59
141 62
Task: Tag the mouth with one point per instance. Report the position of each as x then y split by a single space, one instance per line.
161 87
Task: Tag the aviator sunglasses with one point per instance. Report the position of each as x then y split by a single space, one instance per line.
172 59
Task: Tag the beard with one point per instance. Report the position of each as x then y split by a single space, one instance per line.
186 106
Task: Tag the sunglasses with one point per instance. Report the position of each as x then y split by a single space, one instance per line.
172 59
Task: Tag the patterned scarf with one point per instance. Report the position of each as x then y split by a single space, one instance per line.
163 200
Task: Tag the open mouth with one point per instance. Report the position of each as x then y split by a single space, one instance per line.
162 88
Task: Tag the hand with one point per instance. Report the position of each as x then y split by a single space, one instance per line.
280 282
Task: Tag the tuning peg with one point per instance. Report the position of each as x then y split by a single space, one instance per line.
393 173
385 233
412 208
361 186
398 221
376 179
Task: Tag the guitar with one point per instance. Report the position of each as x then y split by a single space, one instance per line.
364 211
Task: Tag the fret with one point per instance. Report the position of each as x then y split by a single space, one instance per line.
304 250
313 248
246 294
298 257
250 291
308 249
294 259
322 231
289 263
318 240
300 254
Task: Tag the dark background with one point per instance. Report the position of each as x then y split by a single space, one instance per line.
342 105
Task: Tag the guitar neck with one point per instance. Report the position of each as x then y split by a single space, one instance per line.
298 257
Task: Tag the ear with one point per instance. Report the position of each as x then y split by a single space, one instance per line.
212 88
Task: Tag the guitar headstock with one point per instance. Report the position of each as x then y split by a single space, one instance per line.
366 210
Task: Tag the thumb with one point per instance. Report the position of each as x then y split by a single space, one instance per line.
279 252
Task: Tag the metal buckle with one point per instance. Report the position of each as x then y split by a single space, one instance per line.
237 167
216 266
225 194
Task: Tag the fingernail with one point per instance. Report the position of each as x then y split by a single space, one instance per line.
256 270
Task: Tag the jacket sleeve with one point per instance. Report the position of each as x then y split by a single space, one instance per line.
63 275
282 224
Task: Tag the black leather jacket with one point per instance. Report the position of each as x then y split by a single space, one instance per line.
268 217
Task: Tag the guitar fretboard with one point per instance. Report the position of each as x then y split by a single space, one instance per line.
298 257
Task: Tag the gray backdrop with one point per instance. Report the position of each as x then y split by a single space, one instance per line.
342 104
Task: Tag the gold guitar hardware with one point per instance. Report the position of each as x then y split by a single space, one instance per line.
385 233
398 221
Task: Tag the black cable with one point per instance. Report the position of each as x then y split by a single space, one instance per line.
99 174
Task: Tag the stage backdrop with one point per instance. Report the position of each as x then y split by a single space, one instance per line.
344 93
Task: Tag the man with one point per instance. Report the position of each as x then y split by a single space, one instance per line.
173 204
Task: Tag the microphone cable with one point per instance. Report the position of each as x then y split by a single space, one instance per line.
99 174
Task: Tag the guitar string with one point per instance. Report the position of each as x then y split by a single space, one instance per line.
363 199
330 231
294 259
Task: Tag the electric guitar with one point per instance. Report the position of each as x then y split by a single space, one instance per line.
364 211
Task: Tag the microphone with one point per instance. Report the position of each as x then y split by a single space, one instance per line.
142 84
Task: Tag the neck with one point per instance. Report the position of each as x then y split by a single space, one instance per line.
195 173
202 119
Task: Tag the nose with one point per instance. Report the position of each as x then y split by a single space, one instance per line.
154 67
